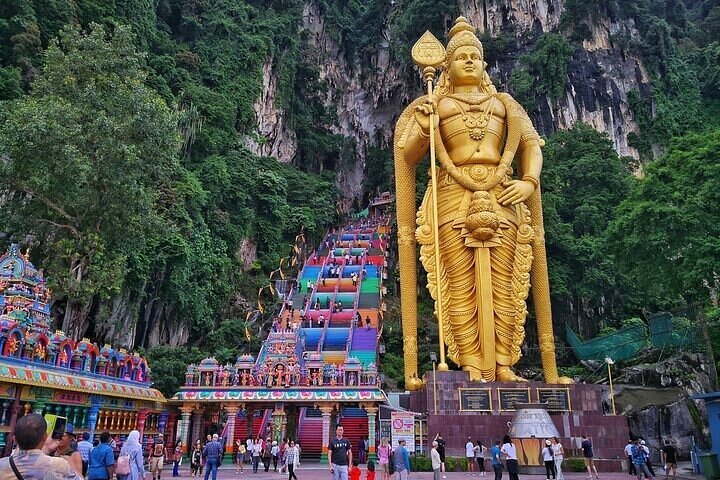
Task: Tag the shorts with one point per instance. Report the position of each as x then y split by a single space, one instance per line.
589 461
156 463
442 456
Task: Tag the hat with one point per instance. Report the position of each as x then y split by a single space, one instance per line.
548 442
642 442
274 442
215 436
435 444
402 440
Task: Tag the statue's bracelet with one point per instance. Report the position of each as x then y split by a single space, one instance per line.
531 179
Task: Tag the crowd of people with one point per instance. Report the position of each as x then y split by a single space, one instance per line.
284 456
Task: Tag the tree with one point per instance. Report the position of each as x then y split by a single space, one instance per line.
667 233
583 181
88 154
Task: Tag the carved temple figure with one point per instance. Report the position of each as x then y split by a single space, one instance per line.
489 218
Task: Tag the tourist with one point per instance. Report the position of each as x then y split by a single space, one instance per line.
401 461
480 457
213 456
134 453
157 457
548 458
339 455
497 465
441 451
240 457
587 450
508 449
354 473
177 458
669 459
648 461
84 447
367 322
256 452
249 442
196 460
292 459
32 457
383 453
67 449
102 460
470 456
370 470
267 454
558 455
628 454
275 452
435 460
639 460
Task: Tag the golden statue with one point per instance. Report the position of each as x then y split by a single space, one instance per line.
482 240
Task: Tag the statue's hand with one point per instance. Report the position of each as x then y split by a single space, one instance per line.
516 191
422 115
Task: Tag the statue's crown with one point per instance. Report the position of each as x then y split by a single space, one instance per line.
462 34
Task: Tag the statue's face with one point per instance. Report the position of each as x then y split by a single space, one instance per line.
466 67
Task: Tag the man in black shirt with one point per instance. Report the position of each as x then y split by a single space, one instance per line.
669 459
339 455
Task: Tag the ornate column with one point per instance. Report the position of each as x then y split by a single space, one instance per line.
185 412
326 411
279 421
232 411
170 430
92 419
197 420
371 410
142 417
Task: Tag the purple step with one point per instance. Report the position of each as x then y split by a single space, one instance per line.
364 339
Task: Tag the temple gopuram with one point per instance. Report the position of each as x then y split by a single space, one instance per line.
317 367
44 371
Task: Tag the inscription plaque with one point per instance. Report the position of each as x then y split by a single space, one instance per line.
475 400
509 397
557 399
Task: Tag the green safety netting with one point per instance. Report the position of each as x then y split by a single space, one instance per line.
668 330
362 214
619 345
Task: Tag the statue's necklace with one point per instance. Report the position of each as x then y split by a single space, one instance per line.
476 119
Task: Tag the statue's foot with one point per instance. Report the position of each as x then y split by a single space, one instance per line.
505 374
564 380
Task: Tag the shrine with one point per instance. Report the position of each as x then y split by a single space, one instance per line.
45 371
317 367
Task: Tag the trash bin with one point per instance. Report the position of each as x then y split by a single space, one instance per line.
709 463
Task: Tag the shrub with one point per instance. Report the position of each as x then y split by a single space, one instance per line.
420 464
573 465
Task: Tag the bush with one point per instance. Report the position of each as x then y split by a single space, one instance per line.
420 464
455 464
573 465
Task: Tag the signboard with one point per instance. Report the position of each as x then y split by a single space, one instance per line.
557 399
475 399
385 429
509 397
403 428
7 390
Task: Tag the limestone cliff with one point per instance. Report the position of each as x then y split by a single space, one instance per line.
368 96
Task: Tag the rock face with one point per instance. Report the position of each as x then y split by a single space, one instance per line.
654 397
368 98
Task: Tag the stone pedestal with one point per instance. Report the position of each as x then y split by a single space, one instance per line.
487 421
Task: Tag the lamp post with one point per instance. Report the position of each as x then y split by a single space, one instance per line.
609 362
433 359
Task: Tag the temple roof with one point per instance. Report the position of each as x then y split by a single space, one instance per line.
310 394
34 374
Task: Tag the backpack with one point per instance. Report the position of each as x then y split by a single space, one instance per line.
123 465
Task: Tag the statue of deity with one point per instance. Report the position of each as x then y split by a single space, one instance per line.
489 218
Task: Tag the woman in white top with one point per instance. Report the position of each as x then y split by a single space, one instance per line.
480 457
510 452
470 456
559 454
549 459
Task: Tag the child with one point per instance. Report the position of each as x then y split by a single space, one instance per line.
370 470
355 471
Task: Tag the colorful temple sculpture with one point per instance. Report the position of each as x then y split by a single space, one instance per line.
44 371
318 365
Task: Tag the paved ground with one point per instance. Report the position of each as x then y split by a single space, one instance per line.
314 471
